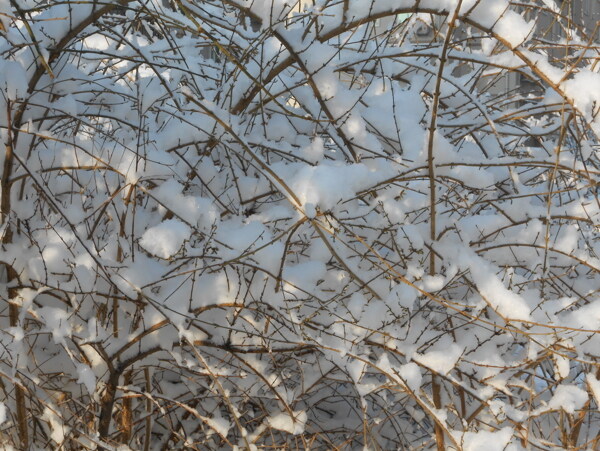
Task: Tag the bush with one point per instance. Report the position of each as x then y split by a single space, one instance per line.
341 225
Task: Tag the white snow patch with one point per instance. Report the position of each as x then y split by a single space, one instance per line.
584 89
411 374
57 322
441 361
432 284
562 366
513 28
594 385
165 239
87 378
568 398
219 424
57 428
506 302
310 211
284 422
487 440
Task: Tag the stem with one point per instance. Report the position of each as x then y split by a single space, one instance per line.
106 407
6 173
127 415
5 207
148 411
19 392
435 385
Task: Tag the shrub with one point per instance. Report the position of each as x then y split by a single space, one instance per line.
341 225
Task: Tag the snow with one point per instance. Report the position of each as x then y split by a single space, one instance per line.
194 210
584 89
58 430
513 28
259 220
165 239
272 11
315 150
143 271
356 369
487 440
5 13
356 305
319 185
433 284
594 385
310 211
568 398
402 295
13 79
562 365
87 378
508 303
585 317
149 92
290 424
216 289
440 360
56 321
304 275
219 424
411 375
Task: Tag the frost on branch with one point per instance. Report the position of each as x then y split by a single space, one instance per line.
363 224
